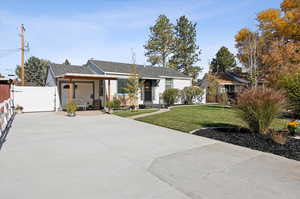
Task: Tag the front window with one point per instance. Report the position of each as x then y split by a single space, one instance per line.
122 84
229 88
169 83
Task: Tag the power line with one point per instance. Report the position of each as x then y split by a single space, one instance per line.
7 52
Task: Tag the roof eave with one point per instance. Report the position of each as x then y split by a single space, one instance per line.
85 75
176 77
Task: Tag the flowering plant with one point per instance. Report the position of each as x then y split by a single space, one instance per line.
293 126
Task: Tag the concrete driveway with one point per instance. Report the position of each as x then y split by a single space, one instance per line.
49 156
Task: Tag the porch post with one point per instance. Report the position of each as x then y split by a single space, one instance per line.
70 93
109 90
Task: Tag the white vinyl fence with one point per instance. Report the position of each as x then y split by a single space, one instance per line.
36 99
6 114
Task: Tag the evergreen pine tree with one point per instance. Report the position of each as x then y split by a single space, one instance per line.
185 50
224 61
35 71
159 45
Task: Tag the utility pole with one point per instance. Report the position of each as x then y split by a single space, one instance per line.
22 72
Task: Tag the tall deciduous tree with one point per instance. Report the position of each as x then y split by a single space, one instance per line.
159 45
283 23
274 49
185 50
282 59
250 46
224 61
35 71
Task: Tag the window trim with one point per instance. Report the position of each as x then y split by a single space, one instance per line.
119 89
171 83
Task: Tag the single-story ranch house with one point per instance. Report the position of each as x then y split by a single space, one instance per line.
95 82
231 83
228 82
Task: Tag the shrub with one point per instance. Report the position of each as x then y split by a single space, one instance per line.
109 105
223 98
142 106
259 106
116 104
170 96
191 93
291 84
19 108
71 107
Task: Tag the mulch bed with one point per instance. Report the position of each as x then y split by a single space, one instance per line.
243 137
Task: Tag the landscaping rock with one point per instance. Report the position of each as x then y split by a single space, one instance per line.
242 137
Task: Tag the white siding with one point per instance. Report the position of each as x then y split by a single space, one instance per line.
203 99
140 101
181 83
50 81
159 91
113 87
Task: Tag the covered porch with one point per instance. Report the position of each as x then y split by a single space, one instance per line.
88 91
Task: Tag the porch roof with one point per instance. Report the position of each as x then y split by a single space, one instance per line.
86 76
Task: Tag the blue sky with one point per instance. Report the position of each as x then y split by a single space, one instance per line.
108 30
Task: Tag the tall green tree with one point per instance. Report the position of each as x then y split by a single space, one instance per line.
224 61
35 71
185 50
67 62
159 46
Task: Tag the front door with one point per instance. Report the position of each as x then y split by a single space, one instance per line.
147 91
64 94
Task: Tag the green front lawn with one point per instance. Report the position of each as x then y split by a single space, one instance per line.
133 113
188 118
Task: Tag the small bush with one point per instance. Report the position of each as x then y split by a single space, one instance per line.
142 106
116 104
19 107
258 107
109 105
291 84
191 93
170 96
71 107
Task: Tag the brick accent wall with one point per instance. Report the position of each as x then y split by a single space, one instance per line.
4 92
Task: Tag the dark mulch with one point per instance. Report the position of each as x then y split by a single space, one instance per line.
243 137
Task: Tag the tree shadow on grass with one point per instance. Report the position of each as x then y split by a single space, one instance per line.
218 125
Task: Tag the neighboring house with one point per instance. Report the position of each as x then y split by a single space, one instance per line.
5 84
229 83
98 81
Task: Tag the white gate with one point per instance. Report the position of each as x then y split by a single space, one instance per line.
6 113
35 99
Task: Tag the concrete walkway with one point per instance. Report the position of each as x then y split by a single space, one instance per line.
148 114
49 156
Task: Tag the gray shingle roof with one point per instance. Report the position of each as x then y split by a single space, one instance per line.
144 71
60 69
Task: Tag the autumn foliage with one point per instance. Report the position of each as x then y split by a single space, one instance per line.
277 51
